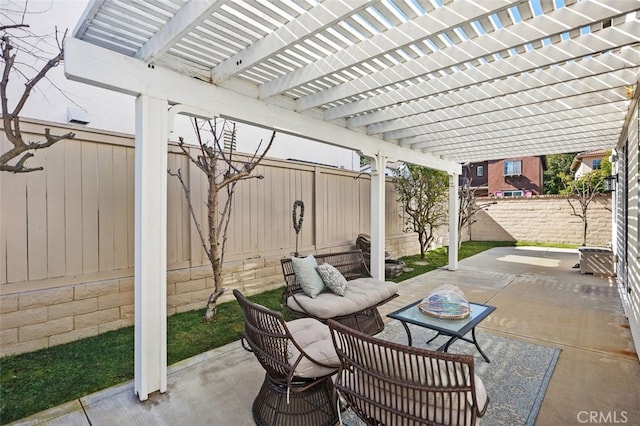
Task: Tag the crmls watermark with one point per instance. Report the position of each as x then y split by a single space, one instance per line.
603 417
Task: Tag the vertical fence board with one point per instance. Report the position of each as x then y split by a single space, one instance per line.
73 207
185 222
198 186
365 205
318 202
320 205
89 208
293 195
55 232
255 186
120 211
305 193
261 210
174 191
246 214
276 209
105 208
14 218
37 220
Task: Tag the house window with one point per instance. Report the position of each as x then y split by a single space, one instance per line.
480 171
513 168
517 193
596 164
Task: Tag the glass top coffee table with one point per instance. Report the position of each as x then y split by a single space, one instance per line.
455 329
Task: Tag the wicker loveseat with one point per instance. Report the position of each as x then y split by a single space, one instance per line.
356 308
387 383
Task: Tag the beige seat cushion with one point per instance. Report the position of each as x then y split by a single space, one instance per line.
315 339
435 408
360 294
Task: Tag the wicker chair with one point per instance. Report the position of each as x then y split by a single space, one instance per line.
299 359
386 383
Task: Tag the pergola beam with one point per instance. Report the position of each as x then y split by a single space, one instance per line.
90 64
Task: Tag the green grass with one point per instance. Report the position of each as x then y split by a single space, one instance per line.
439 257
538 244
39 380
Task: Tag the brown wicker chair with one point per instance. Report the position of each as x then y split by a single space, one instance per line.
386 383
297 389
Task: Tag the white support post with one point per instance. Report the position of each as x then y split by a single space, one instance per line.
378 166
453 222
150 246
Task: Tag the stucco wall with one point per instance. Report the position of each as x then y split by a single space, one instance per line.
542 219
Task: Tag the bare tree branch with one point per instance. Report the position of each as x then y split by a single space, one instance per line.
583 191
187 193
223 172
11 117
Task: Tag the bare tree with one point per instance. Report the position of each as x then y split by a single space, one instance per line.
224 169
423 193
31 73
469 207
580 193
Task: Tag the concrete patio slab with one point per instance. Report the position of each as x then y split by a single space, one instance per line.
539 297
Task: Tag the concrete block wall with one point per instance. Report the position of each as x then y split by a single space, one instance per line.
40 319
542 219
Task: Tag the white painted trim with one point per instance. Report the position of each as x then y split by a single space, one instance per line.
453 222
378 188
150 275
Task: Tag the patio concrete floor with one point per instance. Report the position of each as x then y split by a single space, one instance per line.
539 297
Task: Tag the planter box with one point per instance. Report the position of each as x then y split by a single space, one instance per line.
596 261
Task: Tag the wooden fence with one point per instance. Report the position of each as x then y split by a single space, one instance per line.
73 222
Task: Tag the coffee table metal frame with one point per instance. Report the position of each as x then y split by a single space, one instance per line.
455 329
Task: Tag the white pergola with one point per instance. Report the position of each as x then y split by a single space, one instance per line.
431 82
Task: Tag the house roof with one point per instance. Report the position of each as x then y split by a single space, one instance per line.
456 81
578 159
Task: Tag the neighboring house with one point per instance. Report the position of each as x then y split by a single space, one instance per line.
512 177
586 162
478 173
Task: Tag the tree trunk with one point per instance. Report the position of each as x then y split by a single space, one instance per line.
421 239
214 249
